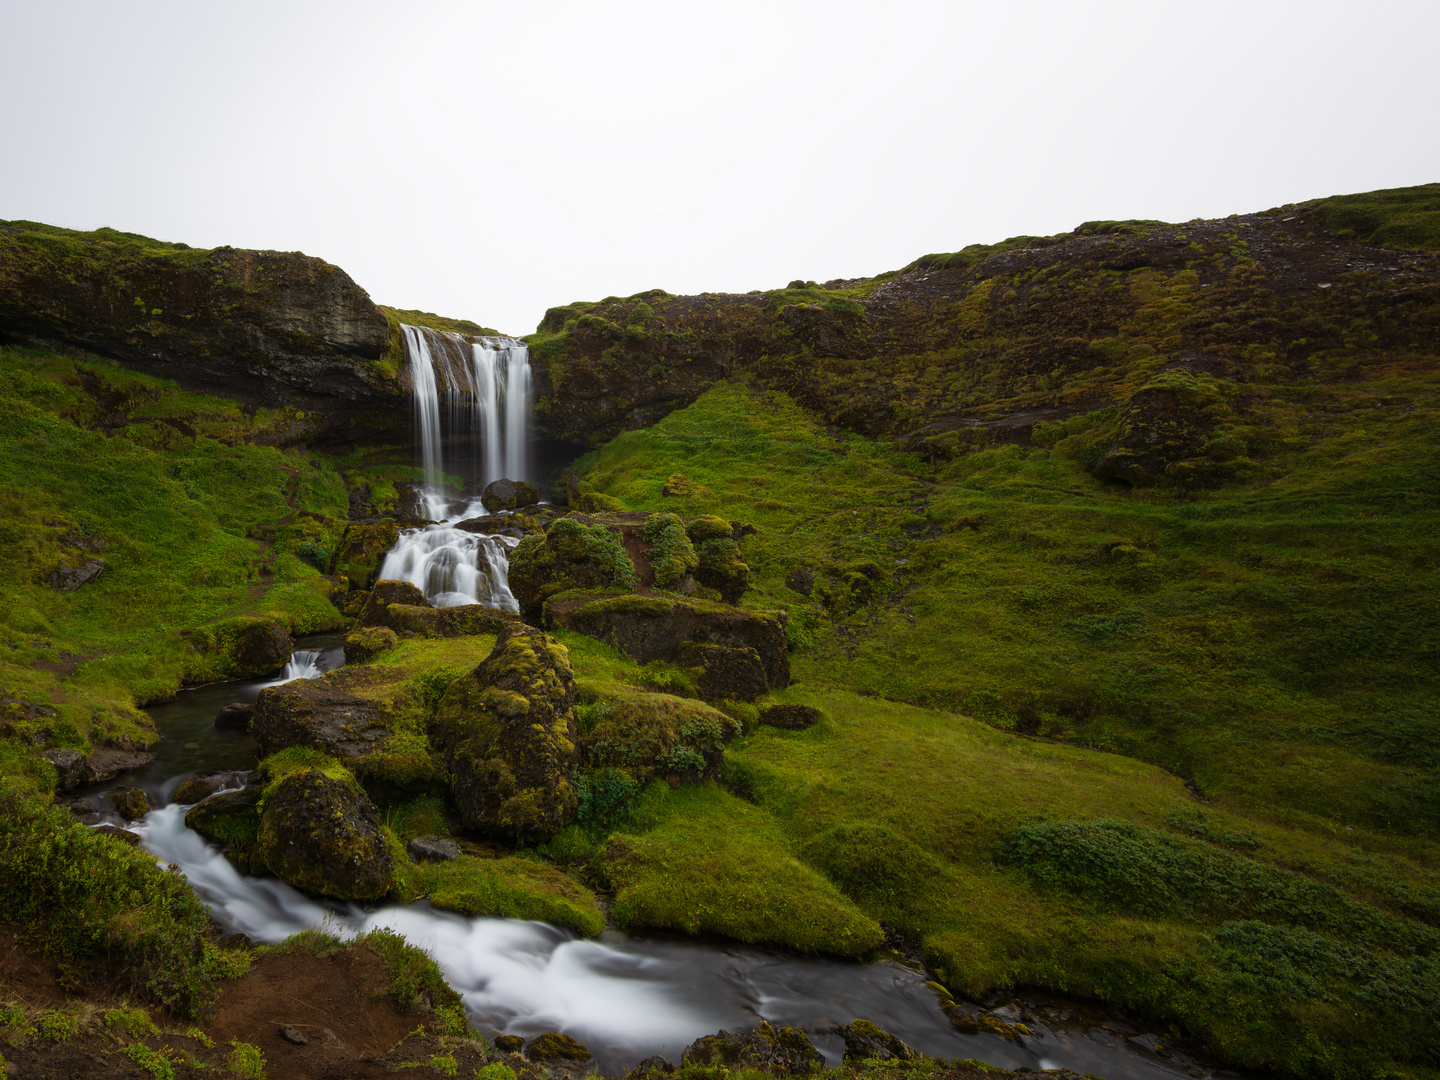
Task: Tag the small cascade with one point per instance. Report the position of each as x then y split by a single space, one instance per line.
304 664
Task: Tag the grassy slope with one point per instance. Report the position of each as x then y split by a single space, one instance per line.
1270 643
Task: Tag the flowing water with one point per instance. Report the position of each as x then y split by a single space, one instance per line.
624 997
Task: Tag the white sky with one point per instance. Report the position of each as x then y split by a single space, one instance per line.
488 160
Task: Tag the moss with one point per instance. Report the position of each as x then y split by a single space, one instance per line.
510 887
671 555
652 734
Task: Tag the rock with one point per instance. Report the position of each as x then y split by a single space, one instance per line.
721 567
1168 436
727 672
508 495
361 551
553 1047
70 764
68 580
322 834
972 1020
866 1042
365 643
81 807
230 817
292 1035
764 1048
376 611
508 733
648 628
321 714
577 552
678 486
790 717
432 849
130 803
459 621
572 491
114 832
509 1044
201 786
651 735
654 1063
241 648
108 762
801 579
235 716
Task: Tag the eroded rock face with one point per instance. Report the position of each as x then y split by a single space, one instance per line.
264 327
320 714
788 1049
509 737
322 834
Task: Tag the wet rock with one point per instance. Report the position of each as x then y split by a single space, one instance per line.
790 717
322 834
508 733
508 495
130 803
321 714
200 787
364 644
292 1035
361 551
654 1063
972 1020
235 716
509 1044
81 807
866 1042
67 580
70 764
230 818
376 611
727 672
788 1049
648 628
555 1048
801 579
432 849
114 832
108 762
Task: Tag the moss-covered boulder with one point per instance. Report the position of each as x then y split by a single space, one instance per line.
460 621
577 552
509 736
648 628
865 1041
321 714
791 717
508 495
650 735
365 643
239 648
129 802
1173 432
720 566
361 551
383 594
230 819
322 834
556 1048
787 1050
726 672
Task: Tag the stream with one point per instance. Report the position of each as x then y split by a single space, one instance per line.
625 997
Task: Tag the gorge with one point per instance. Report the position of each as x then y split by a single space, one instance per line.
1055 618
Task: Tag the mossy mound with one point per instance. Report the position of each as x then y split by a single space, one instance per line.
575 553
365 643
382 594
239 648
786 1051
322 834
362 549
508 733
649 735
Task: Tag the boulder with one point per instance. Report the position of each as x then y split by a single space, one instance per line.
361 551
555 1048
866 1042
114 832
260 649
727 672
376 611
201 786
508 495
235 716
509 1044
432 849
720 567
69 764
577 552
459 621
651 735
230 819
323 715
790 717
787 1050
365 643
508 733
108 762
67 580
1171 433
648 628
322 834
801 579
130 803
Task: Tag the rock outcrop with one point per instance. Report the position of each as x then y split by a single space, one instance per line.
323 715
507 730
322 834
788 1050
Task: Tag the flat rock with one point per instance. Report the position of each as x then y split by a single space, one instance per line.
235 716
433 849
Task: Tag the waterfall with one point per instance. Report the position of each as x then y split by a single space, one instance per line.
452 566
484 384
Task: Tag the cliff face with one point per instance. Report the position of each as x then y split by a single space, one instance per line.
261 327
1168 325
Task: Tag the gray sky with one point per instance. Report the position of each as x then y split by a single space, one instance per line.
488 161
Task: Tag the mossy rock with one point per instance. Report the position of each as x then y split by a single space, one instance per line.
376 611
322 834
230 819
1172 432
727 672
508 733
321 714
361 551
508 495
464 620
651 735
865 1041
575 553
785 1051
790 717
365 643
130 803
557 1048
720 565
239 648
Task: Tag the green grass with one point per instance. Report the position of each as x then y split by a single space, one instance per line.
1404 218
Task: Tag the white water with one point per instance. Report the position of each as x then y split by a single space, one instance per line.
485 387
452 566
304 664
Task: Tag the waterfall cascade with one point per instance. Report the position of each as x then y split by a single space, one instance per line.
472 404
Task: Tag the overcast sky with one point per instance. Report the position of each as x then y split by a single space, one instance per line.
488 160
